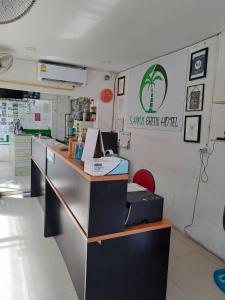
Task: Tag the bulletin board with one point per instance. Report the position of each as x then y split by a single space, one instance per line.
33 114
38 115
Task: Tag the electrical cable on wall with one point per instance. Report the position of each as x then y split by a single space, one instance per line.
114 102
203 177
205 165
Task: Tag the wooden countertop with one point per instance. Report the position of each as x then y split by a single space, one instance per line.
132 230
58 150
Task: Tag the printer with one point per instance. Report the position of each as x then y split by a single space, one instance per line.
143 207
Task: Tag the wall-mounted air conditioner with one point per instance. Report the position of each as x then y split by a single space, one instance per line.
62 74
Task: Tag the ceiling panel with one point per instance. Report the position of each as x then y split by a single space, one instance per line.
110 34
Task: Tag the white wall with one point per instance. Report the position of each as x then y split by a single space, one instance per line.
175 164
60 107
208 223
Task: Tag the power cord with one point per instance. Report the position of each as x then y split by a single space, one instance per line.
128 215
203 177
205 165
114 102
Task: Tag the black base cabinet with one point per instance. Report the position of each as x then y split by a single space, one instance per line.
37 184
129 268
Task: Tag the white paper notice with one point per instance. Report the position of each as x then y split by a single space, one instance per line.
119 125
90 143
120 108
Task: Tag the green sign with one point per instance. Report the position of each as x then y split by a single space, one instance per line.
153 74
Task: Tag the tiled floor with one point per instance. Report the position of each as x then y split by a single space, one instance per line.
32 268
191 270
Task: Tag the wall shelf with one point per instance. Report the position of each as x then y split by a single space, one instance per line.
219 141
218 102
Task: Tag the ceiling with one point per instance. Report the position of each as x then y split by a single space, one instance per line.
110 35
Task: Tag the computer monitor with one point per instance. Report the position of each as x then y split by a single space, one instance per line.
110 141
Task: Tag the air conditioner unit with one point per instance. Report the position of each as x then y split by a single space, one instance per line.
62 74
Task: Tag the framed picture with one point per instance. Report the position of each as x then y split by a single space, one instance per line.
121 86
195 97
198 66
192 128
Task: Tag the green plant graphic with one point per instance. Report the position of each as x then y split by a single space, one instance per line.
154 73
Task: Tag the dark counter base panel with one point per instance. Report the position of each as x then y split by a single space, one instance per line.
126 267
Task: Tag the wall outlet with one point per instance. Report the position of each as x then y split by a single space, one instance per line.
203 149
124 139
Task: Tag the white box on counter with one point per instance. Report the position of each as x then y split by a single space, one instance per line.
105 166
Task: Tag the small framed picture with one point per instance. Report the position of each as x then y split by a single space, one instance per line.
121 86
195 97
192 128
198 66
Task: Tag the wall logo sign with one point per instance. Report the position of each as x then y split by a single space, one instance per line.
151 101
156 93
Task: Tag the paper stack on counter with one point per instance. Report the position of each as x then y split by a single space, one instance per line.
134 187
105 166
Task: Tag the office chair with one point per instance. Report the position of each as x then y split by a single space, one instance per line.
145 178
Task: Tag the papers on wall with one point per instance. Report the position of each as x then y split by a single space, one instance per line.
46 108
124 139
90 143
120 111
38 115
119 125
4 129
11 110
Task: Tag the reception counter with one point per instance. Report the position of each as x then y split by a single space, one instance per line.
86 215
22 149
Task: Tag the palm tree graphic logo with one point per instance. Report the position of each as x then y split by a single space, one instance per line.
152 75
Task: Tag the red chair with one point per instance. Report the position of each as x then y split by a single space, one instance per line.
145 178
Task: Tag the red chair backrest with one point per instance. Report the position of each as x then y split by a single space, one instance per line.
145 178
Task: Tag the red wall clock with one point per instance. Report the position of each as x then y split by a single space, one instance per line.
106 95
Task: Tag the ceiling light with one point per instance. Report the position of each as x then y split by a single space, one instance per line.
12 10
105 61
30 48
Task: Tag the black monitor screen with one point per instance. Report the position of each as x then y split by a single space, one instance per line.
110 141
